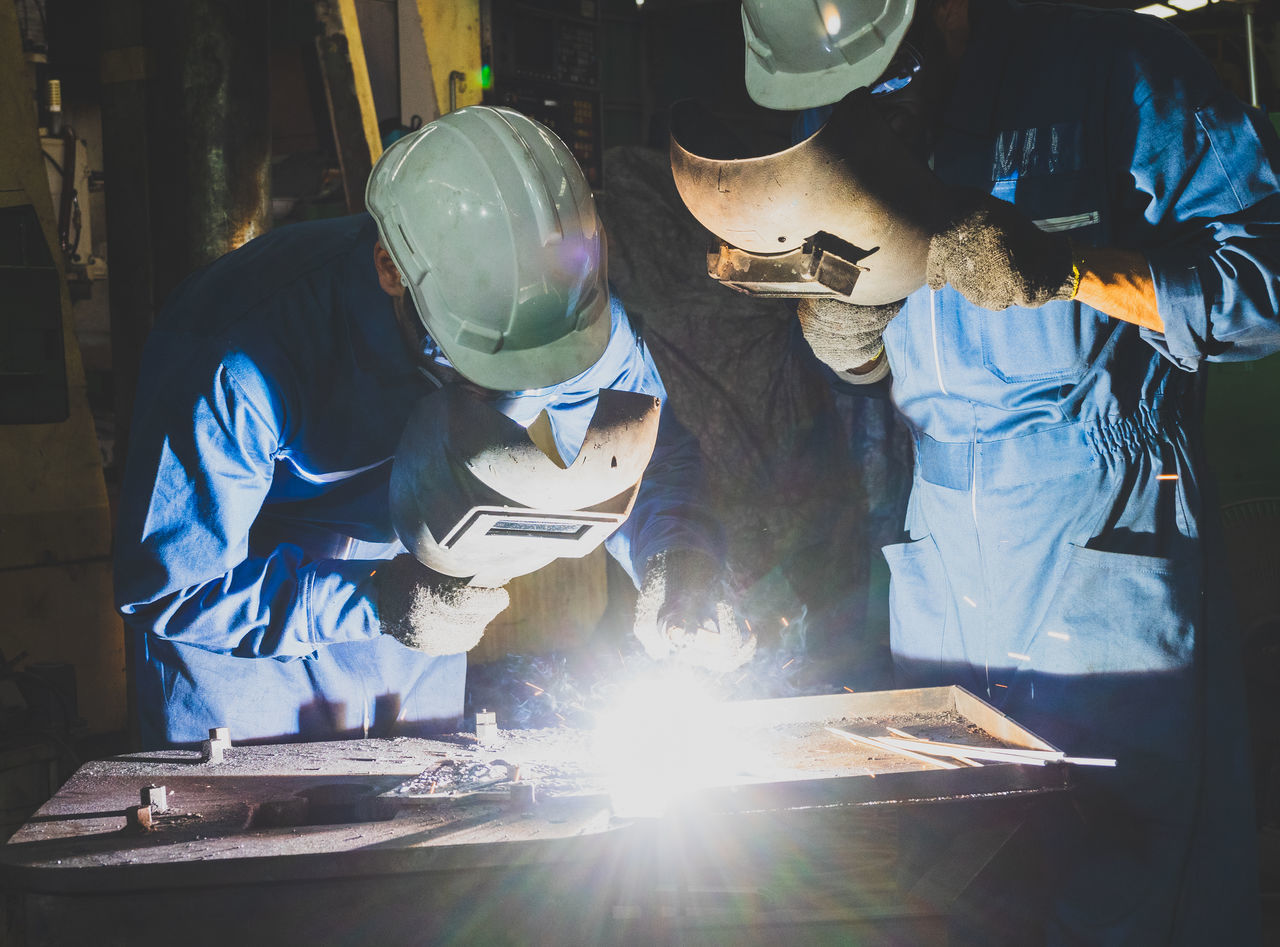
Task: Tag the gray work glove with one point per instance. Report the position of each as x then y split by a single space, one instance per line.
431 612
847 338
997 258
681 613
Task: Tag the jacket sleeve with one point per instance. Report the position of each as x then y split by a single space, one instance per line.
671 509
199 469
1206 198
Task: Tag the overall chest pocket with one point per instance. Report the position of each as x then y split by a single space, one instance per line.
1052 343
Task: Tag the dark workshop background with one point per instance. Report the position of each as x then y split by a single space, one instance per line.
186 128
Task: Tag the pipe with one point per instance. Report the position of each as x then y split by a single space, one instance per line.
457 83
125 163
209 132
1250 52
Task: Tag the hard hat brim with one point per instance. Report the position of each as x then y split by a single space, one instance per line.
548 364
795 91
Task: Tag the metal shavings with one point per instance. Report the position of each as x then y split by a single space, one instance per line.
454 777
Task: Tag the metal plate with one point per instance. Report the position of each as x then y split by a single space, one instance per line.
303 811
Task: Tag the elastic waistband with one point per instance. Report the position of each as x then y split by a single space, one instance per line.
1044 455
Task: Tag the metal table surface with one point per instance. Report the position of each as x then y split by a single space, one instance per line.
330 841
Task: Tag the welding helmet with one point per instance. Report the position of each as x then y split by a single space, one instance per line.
848 213
493 228
475 494
802 55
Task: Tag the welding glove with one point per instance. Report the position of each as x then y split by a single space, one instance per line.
681 613
430 612
996 257
847 338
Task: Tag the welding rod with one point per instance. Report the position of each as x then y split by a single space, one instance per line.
995 754
906 736
879 745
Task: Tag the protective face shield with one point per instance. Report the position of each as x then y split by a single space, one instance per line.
493 228
802 55
846 214
473 493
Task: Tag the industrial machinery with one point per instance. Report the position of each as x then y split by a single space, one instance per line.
689 822
542 58
61 644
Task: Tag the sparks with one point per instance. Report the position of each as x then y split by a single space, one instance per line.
785 623
537 691
1019 657
1060 635
788 664
1005 686
970 602
850 690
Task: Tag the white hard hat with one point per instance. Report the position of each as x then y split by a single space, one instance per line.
493 228
806 53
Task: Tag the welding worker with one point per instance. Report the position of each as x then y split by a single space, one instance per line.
256 563
1111 223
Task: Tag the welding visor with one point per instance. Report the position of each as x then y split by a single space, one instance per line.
475 494
847 213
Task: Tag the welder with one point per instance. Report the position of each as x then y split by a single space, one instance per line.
266 581
1105 221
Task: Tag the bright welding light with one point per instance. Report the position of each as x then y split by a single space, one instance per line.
661 738
831 20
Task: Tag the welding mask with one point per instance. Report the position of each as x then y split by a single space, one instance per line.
475 494
847 214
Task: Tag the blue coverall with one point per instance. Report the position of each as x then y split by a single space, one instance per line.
254 509
1057 565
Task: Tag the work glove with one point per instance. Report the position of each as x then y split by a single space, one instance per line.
996 257
847 338
682 614
430 612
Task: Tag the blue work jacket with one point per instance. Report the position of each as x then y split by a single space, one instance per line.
274 389
1056 565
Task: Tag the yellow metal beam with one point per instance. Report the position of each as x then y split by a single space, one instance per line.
360 73
451 29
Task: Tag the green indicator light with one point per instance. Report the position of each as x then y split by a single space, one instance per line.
486 76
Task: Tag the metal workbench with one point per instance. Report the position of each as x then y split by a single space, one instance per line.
329 843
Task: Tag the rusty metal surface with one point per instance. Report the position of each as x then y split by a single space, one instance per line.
305 812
